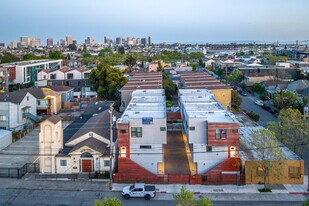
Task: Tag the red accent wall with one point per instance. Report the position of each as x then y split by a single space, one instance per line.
232 139
124 138
173 116
12 72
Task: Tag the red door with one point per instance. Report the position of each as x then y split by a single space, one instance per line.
86 165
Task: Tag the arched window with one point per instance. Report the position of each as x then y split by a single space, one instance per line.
86 155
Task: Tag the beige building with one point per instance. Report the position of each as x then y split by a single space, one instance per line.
69 39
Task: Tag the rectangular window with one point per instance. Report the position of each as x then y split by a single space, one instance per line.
69 76
162 129
86 75
145 146
136 132
209 148
2 118
122 131
53 76
294 172
106 163
63 163
192 128
220 134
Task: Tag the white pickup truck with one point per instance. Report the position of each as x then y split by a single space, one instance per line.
139 190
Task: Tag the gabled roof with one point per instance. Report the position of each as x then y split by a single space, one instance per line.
99 124
54 119
14 97
92 143
58 88
298 86
41 93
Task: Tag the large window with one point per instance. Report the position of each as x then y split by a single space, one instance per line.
294 172
145 146
220 133
136 132
63 163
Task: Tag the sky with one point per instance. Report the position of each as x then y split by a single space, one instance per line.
165 20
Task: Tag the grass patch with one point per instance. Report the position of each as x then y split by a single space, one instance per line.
265 190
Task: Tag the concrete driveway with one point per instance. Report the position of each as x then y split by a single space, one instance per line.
175 157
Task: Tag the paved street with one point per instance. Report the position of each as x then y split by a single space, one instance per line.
26 197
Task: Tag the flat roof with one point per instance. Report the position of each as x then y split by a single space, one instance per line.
24 63
201 80
145 80
248 146
213 116
145 104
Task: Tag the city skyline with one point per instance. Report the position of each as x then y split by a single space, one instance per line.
197 21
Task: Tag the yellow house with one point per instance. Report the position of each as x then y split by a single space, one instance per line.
288 170
224 96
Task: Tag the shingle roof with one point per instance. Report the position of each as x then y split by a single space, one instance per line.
36 92
92 143
298 86
14 97
58 88
54 119
99 124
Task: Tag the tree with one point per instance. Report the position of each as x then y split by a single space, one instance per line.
30 57
236 76
196 55
72 47
160 67
306 203
170 88
107 81
56 55
284 99
268 153
8 58
104 52
130 61
186 198
251 53
112 201
236 100
292 129
258 88
193 65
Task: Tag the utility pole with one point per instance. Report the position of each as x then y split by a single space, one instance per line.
110 146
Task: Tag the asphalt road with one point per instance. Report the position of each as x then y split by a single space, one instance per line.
265 118
22 197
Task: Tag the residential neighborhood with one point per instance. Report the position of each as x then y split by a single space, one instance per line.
102 119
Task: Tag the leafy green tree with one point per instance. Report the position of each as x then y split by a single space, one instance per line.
236 76
268 153
30 57
112 201
87 55
107 81
131 61
284 99
236 100
170 88
306 203
56 55
160 67
258 88
196 55
193 65
186 198
72 47
8 58
292 129
219 72
241 53
273 59
104 52
114 59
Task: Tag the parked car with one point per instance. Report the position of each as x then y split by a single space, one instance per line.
139 190
266 107
259 102
243 93
244 110
274 112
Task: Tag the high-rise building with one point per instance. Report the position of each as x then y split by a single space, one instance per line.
25 41
138 41
150 40
89 41
13 45
69 40
61 42
35 42
106 40
144 41
49 42
119 41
